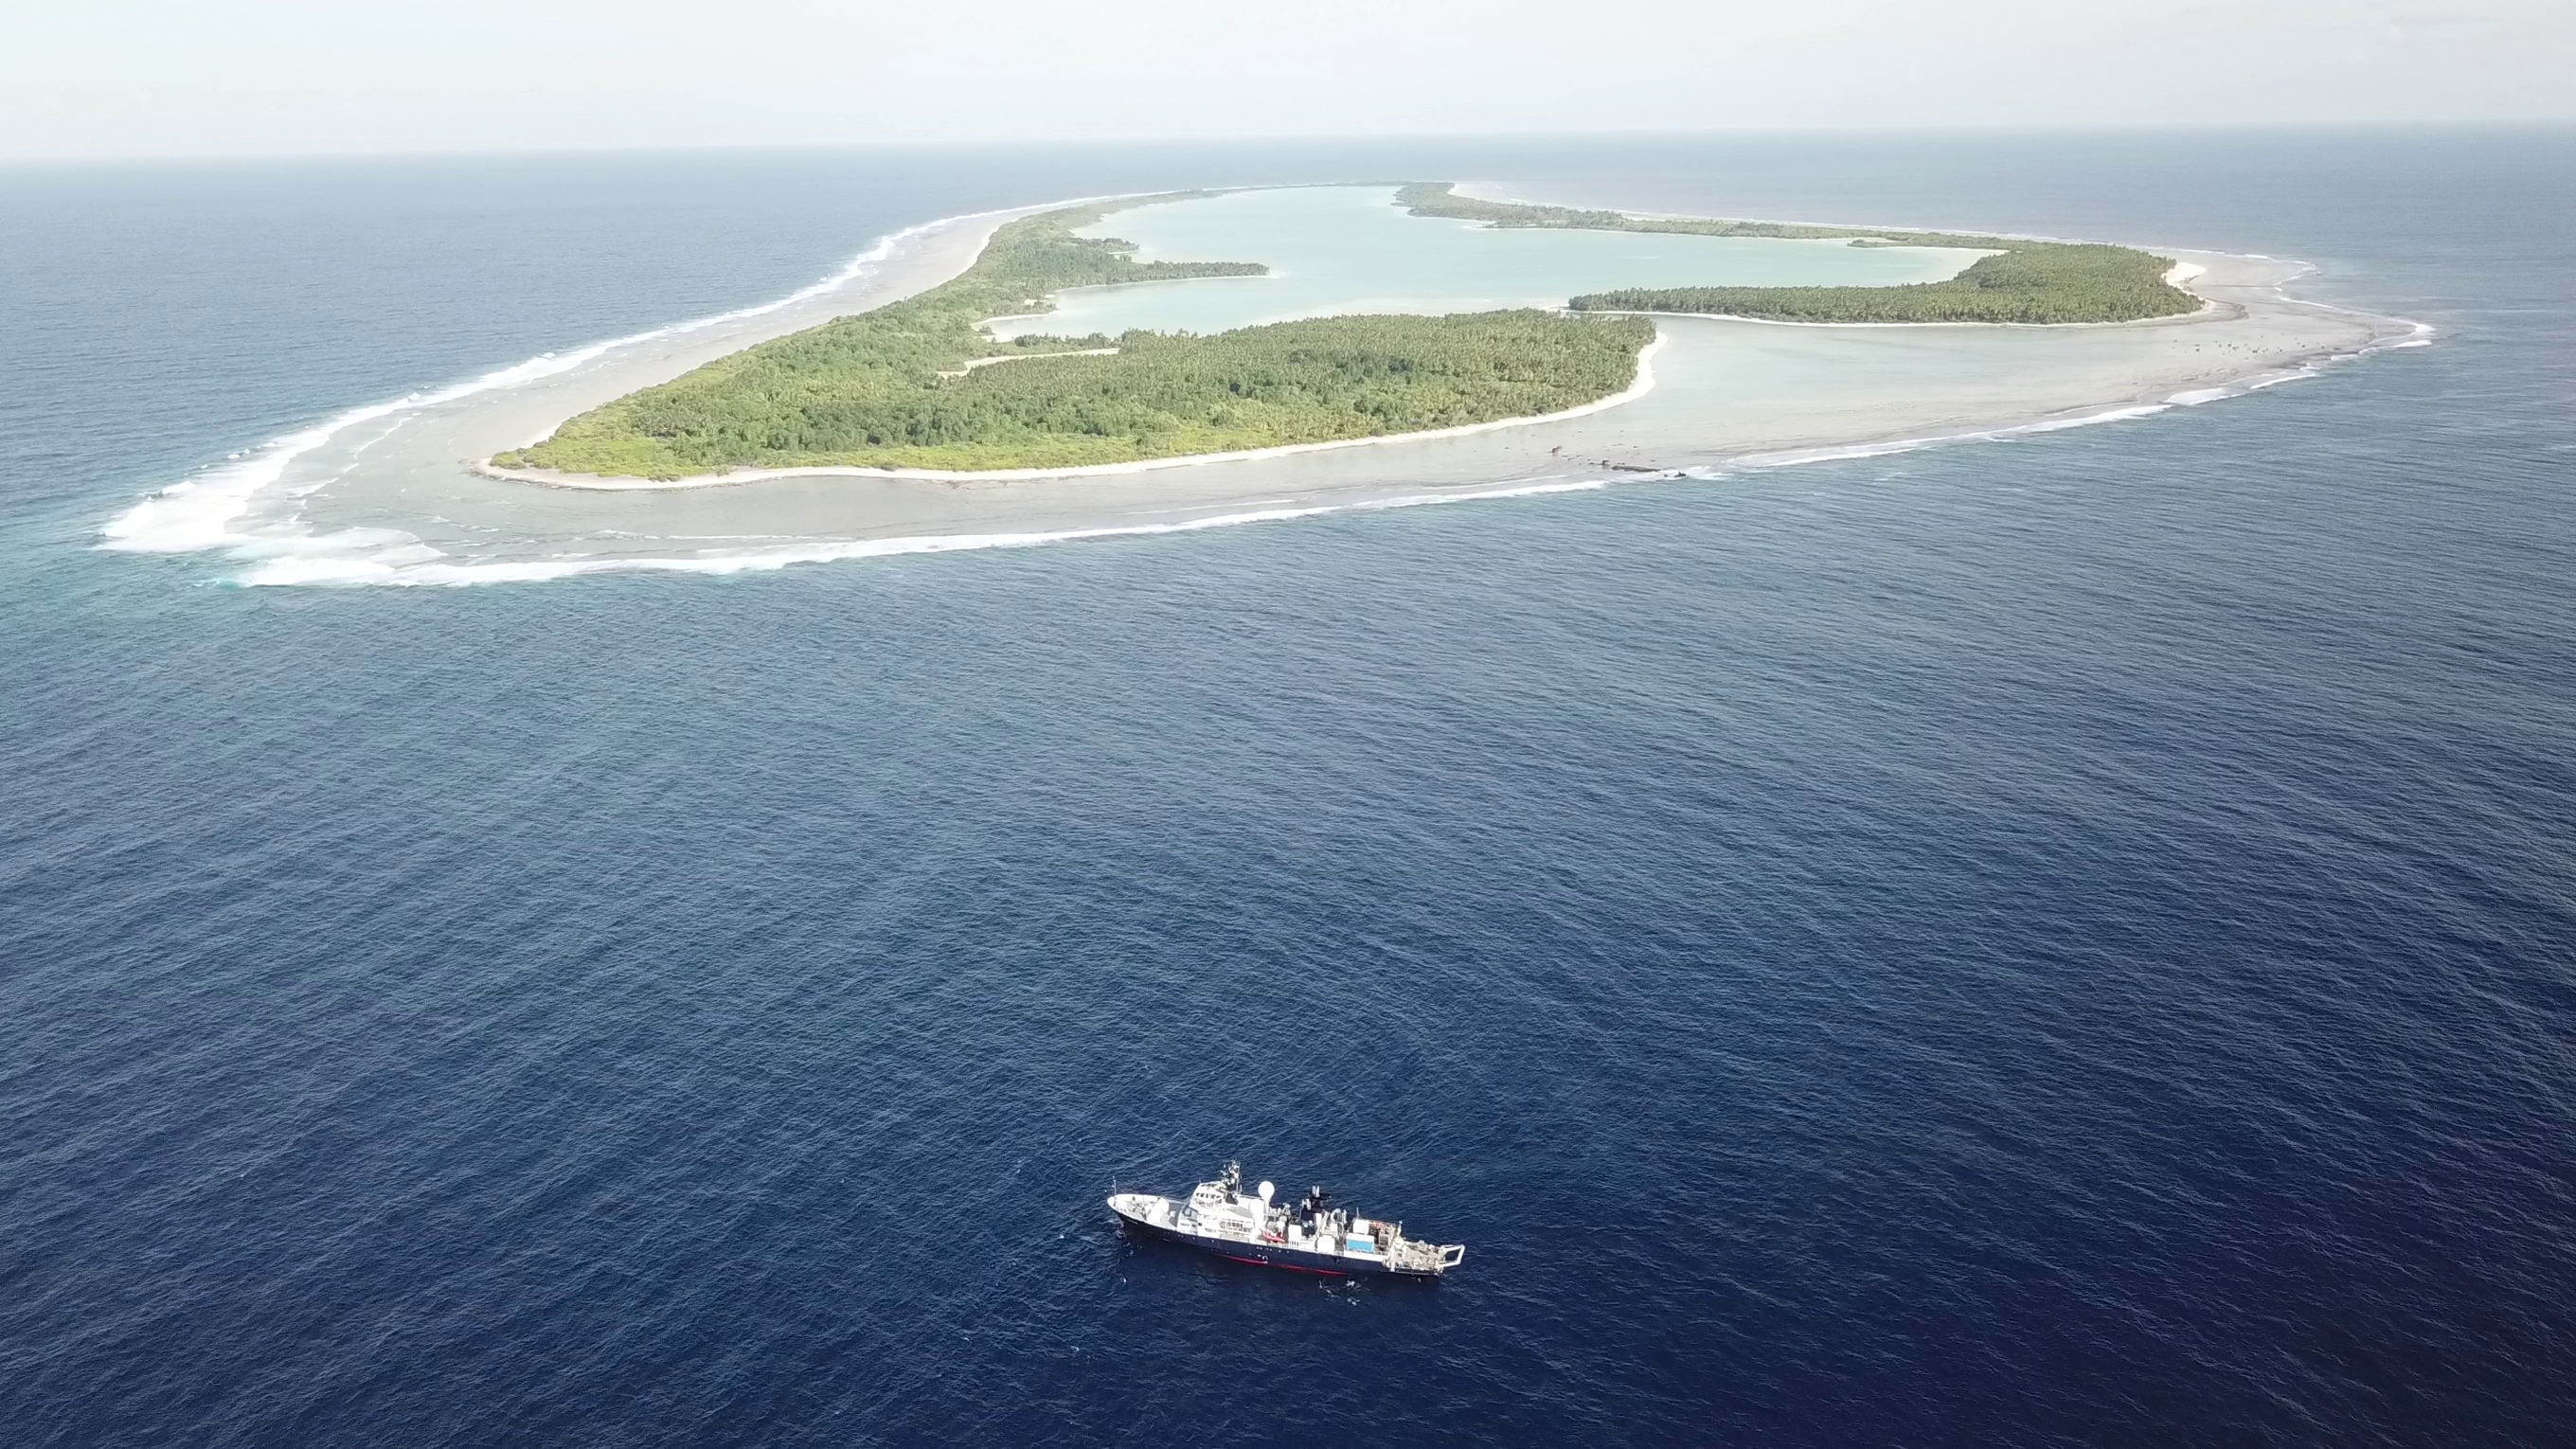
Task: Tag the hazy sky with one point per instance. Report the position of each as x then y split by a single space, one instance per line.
188 77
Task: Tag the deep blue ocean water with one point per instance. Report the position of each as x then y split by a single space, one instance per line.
2061 942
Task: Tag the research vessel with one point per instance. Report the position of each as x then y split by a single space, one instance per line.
1315 1236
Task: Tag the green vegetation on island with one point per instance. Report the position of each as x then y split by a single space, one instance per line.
2028 281
918 384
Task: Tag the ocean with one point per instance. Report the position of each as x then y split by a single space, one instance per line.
2061 941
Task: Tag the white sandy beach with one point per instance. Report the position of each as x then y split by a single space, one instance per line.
2250 329
396 494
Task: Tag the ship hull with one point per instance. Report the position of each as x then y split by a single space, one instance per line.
1271 1255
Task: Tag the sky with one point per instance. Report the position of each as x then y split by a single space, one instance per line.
131 78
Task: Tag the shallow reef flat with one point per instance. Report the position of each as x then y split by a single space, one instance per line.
398 498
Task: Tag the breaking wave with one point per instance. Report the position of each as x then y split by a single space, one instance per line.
205 513
353 570
200 513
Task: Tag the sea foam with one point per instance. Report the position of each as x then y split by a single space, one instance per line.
347 569
204 512
208 512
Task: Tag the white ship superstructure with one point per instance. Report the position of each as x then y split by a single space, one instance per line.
1314 1236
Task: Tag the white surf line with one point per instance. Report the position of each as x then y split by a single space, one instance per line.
403 571
426 568
1471 495
1845 452
285 572
1644 383
318 560
197 513
1166 512
2117 413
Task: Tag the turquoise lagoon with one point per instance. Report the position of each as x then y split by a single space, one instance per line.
1341 250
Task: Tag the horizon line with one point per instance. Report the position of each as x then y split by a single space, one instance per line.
1291 138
